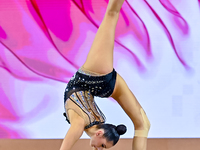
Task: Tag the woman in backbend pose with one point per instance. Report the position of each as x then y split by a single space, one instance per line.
98 78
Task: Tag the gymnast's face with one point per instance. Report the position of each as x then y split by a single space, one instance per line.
99 142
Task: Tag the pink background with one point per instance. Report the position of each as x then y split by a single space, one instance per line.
44 42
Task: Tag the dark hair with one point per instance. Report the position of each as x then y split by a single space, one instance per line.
112 132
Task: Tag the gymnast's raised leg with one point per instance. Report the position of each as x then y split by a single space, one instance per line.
100 56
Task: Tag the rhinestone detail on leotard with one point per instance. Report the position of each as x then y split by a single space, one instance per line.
86 102
83 86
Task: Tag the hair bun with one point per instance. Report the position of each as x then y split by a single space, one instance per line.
121 129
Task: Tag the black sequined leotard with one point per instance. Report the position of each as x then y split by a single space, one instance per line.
80 91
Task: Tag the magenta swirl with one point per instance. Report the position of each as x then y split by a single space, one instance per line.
43 42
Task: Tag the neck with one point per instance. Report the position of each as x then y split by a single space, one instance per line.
91 131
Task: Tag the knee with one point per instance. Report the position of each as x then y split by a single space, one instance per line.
111 13
142 128
146 122
143 121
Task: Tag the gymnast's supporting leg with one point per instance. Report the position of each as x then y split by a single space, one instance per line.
100 57
133 109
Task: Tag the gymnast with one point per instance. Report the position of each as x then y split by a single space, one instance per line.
98 78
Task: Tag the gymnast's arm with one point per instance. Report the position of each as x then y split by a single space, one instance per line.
75 131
